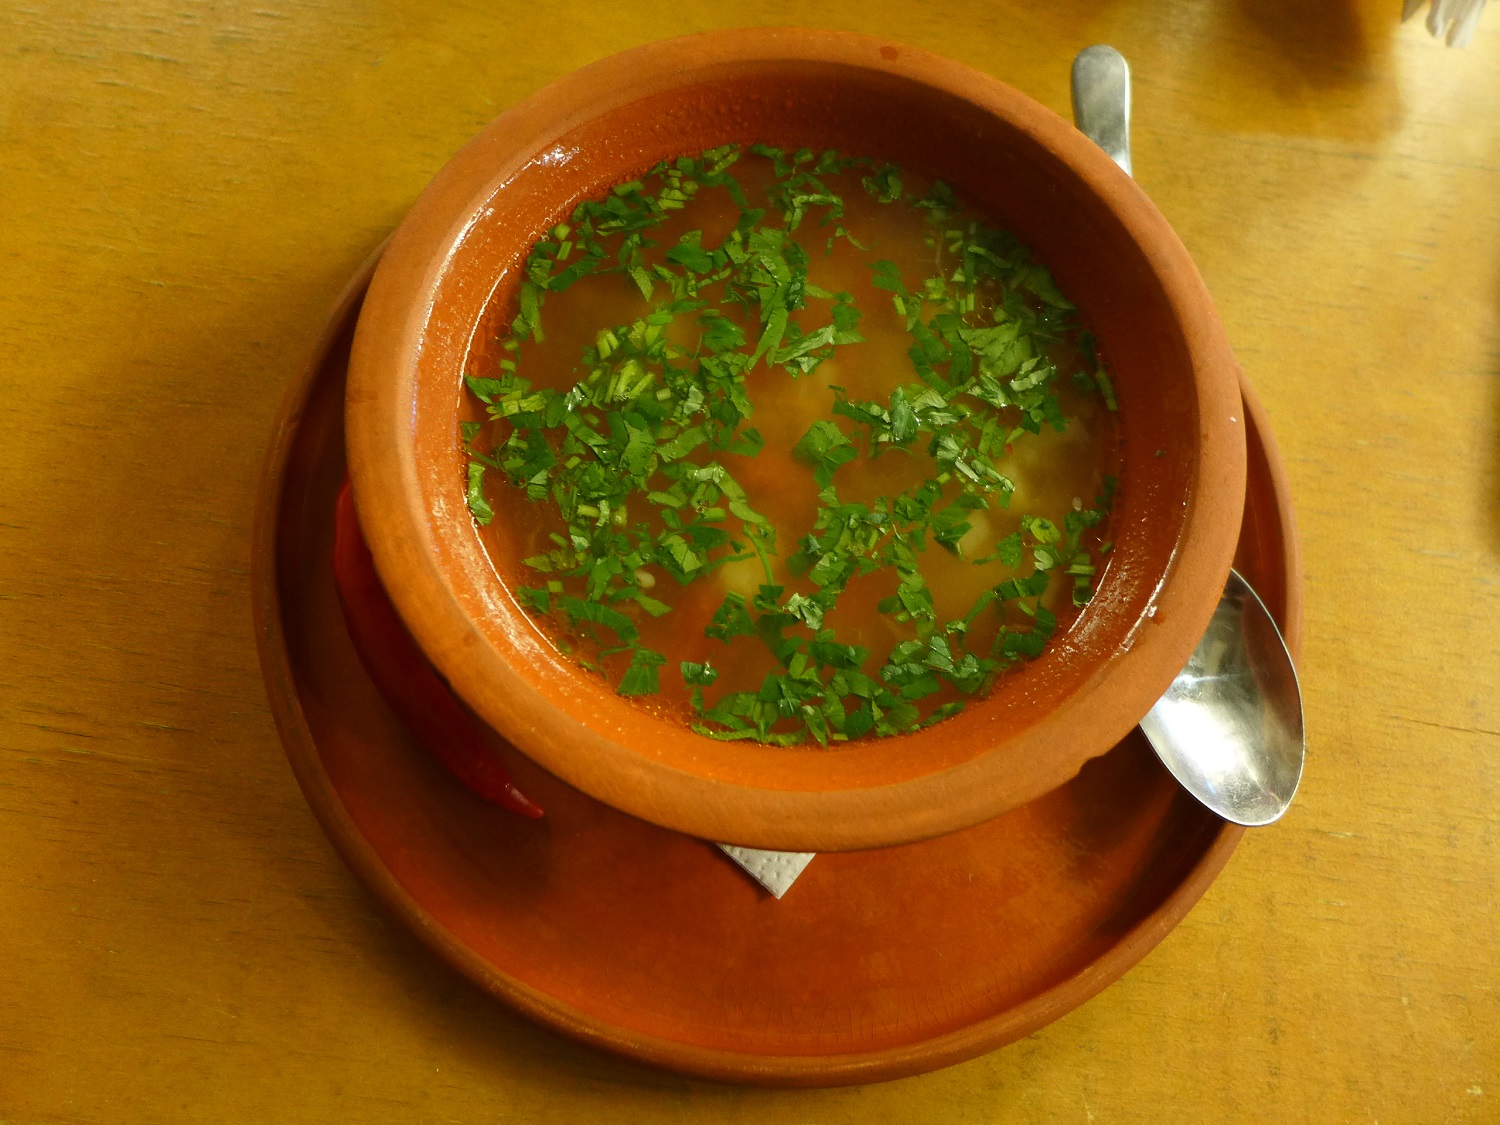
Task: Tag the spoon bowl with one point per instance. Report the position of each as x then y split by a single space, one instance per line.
1230 727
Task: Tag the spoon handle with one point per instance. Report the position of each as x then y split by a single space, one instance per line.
1101 101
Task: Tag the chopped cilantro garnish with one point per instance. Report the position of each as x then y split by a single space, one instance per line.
638 458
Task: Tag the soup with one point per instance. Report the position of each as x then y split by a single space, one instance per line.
791 446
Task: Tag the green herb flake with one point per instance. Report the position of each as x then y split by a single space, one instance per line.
700 675
824 447
641 678
479 507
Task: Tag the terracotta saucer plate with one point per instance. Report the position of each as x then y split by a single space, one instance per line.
877 964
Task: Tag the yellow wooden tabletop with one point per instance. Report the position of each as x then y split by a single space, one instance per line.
184 187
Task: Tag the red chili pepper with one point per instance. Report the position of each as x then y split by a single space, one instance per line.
402 675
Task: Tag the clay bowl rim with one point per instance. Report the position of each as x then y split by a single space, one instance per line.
751 794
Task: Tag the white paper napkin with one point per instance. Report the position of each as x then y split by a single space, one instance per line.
776 871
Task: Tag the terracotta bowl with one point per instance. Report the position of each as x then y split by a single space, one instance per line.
1182 482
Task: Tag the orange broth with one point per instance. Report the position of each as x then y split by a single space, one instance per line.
1055 472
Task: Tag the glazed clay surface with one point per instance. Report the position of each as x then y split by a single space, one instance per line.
1177 511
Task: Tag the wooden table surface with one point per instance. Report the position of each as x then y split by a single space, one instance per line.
185 186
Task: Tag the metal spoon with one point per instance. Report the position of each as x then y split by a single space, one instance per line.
1101 101
1230 727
